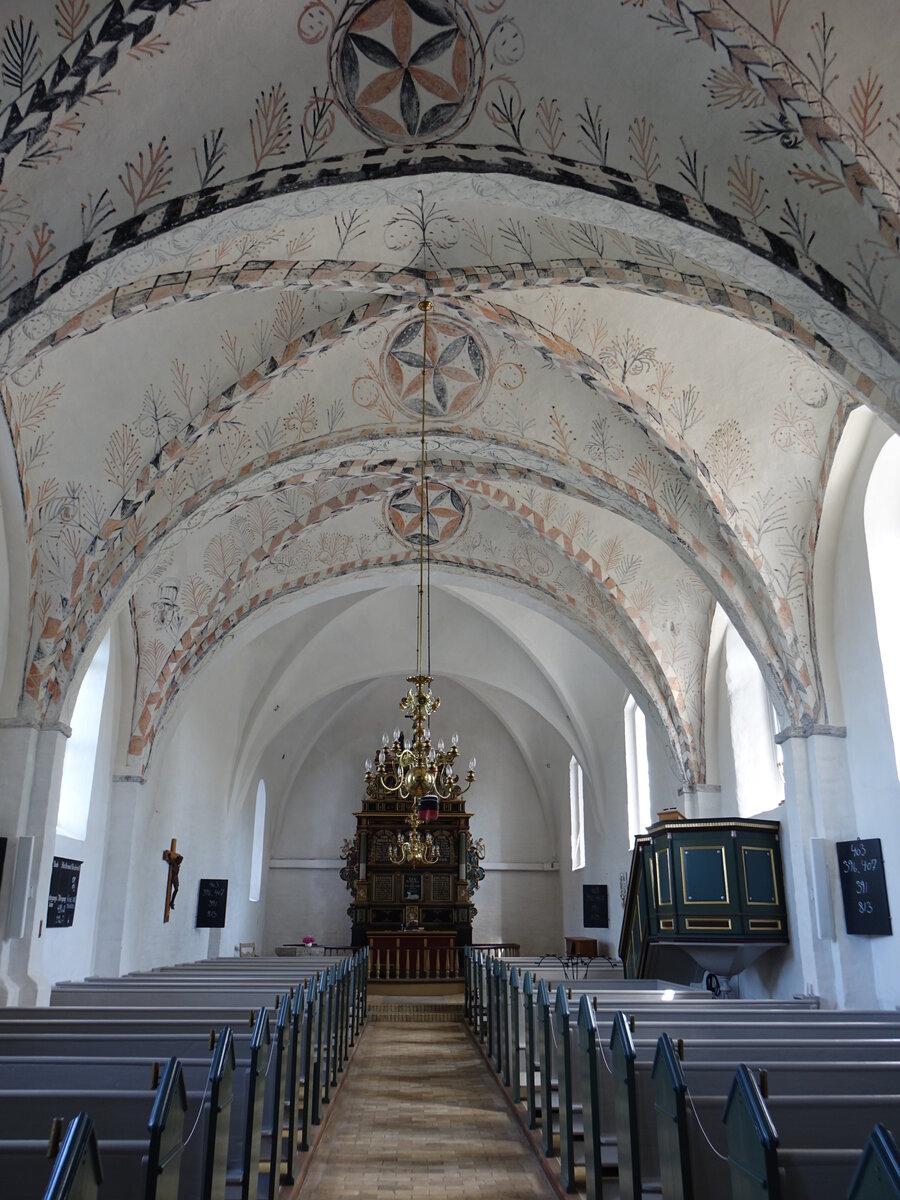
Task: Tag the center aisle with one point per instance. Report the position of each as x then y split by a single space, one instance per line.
419 1116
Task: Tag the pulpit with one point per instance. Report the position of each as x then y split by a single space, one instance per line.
703 895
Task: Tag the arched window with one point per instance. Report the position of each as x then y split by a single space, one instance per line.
882 525
81 749
759 783
576 812
259 841
637 769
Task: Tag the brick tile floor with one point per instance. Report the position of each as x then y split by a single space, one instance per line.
420 1116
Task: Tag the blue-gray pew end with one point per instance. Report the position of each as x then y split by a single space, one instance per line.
877 1174
76 1171
245 1135
30 1170
272 1148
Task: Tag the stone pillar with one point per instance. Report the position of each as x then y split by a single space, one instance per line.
701 800
819 805
32 758
125 798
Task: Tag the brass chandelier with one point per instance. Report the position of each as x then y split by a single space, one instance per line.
413 767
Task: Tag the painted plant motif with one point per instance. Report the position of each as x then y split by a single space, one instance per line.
407 70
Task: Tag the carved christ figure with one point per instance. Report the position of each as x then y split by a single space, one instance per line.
174 859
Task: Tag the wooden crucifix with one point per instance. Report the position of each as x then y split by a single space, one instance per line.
174 859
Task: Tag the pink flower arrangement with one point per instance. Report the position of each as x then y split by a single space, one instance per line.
309 941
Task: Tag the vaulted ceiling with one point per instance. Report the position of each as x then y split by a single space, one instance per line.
662 241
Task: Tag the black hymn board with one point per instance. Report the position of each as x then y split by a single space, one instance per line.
63 891
863 886
212 899
595 904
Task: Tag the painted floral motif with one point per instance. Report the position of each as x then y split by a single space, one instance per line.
407 70
446 514
456 367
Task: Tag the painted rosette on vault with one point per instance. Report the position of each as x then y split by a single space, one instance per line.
447 514
407 71
457 367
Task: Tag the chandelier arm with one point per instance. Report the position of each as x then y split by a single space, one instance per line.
385 786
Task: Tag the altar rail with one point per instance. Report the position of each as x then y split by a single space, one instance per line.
422 964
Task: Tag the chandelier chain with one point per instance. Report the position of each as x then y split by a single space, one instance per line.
412 768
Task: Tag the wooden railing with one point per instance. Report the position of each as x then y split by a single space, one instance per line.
501 949
404 963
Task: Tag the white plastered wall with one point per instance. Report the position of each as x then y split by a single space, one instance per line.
185 796
873 810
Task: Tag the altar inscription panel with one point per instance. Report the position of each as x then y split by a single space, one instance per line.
383 889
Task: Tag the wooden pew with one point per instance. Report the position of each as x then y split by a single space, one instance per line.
142 1136
795 1024
639 1091
791 1146
289 1099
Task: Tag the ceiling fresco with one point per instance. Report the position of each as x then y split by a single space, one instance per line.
655 308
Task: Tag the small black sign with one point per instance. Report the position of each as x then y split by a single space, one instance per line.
595 902
2 857
63 891
863 887
212 899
